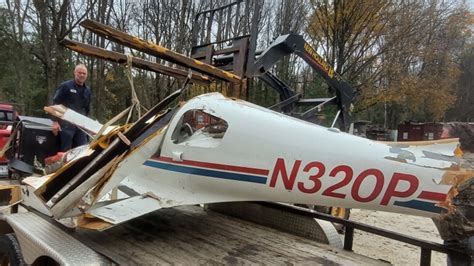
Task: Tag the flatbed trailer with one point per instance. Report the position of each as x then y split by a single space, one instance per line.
185 235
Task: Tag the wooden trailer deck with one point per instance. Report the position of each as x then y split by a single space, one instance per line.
191 235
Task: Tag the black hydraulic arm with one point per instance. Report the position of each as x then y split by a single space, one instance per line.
281 87
293 43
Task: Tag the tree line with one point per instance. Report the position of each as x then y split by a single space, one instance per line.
408 60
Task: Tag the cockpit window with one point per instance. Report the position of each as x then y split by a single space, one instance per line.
198 128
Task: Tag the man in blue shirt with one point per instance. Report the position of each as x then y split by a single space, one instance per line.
76 95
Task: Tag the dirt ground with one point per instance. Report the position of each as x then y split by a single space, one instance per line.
398 253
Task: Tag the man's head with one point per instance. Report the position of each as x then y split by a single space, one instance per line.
80 74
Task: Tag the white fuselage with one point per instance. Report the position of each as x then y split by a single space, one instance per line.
267 156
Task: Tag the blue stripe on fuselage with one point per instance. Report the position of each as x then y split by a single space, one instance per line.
206 172
419 205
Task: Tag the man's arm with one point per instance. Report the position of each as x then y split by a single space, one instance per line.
88 99
59 95
57 99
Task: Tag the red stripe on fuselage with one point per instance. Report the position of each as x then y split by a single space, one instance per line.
435 196
217 166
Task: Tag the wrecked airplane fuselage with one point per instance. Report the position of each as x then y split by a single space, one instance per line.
217 149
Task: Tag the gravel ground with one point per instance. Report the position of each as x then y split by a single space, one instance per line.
398 253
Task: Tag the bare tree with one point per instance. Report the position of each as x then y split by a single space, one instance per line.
53 21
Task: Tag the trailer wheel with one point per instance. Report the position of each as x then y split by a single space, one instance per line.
10 253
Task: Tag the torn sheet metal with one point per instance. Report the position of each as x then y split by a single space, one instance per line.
36 181
458 223
127 209
82 121
29 186
77 178
87 167
128 165
78 158
74 198
110 176
441 146
439 154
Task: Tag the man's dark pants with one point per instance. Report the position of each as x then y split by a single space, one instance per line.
71 137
